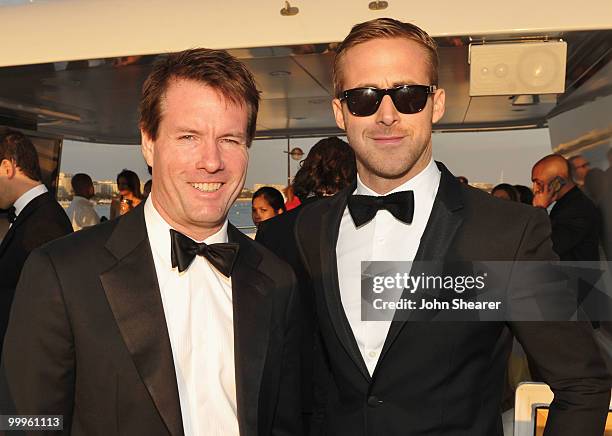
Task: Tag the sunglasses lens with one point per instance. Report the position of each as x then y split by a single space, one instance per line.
362 102
410 99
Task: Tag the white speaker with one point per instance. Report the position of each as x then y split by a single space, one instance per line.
517 68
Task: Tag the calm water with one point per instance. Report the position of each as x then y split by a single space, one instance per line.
239 214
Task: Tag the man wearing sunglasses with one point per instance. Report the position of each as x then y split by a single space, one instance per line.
417 378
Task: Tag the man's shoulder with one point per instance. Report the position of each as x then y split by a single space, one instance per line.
280 223
578 200
43 220
267 261
486 206
313 212
83 241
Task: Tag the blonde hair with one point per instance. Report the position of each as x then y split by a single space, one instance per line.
385 28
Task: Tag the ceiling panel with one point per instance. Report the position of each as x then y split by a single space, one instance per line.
97 100
319 67
283 78
490 110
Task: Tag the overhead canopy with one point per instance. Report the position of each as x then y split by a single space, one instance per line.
75 68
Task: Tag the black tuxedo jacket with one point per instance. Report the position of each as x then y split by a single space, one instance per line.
435 378
41 221
576 227
87 337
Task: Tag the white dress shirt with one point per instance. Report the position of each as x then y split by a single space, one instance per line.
81 213
28 196
383 238
199 316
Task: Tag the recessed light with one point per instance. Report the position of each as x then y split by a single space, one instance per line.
378 5
280 73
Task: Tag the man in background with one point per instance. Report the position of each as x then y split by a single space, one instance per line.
574 218
34 215
81 211
579 167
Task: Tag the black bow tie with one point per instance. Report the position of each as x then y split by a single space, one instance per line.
363 208
11 217
185 249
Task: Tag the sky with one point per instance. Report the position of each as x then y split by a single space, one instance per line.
102 161
489 157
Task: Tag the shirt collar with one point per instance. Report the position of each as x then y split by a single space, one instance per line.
158 231
28 196
424 183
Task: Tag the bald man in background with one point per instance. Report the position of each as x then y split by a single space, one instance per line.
574 218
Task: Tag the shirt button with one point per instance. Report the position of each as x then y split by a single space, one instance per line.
373 401
372 354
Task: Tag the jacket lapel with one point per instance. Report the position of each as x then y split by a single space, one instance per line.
7 239
21 218
445 219
133 294
252 312
330 228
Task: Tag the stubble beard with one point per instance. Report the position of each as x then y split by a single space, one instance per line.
392 167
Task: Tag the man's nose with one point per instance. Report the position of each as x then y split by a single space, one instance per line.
209 157
387 113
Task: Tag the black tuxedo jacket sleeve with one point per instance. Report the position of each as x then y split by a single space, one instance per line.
41 221
436 378
87 337
277 234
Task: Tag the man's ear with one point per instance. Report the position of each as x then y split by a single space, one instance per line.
337 107
439 101
8 168
147 146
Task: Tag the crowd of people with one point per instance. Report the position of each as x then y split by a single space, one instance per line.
168 320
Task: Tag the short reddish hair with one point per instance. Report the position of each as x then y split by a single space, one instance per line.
215 68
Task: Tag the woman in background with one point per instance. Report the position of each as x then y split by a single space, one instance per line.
130 196
505 191
267 203
328 168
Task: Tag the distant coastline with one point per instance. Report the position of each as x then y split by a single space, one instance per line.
239 215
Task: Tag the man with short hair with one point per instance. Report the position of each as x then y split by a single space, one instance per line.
35 216
81 211
574 218
397 378
579 167
167 320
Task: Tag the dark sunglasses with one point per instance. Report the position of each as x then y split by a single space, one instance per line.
408 99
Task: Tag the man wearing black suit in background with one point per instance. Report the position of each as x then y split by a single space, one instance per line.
424 378
575 220
34 215
168 320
